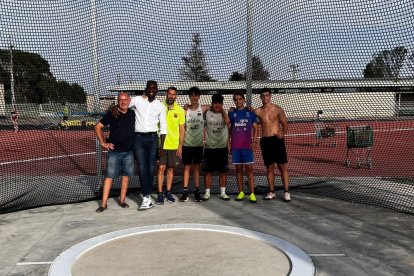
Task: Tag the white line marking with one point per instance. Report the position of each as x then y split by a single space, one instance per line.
34 263
91 153
46 158
301 263
326 255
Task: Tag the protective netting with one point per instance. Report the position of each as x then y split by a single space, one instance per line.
351 60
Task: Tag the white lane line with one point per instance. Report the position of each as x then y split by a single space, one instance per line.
34 263
326 255
47 158
91 153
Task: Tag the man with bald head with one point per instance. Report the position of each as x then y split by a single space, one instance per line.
119 145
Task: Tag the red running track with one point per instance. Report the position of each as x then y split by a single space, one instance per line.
67 152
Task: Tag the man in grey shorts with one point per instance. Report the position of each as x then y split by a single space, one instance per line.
171 147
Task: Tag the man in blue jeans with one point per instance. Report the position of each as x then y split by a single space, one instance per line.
150 116
119 146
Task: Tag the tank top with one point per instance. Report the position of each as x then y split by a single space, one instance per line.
217 132
194 123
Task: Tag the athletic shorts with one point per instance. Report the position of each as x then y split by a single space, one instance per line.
119 162
192 155
241 156
216 160
169 158
273 150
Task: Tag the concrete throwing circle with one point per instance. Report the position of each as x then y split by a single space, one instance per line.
176 249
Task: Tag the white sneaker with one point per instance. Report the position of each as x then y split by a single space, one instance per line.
206 197
286 196
270 196
146 203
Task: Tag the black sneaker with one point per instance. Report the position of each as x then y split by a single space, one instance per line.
160 199
197 196
184 197
169 197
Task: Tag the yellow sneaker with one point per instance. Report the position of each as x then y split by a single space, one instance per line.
240 196
252 198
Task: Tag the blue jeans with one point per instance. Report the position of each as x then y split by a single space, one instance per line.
119 162
145 150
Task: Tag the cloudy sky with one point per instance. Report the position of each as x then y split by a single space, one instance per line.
141 40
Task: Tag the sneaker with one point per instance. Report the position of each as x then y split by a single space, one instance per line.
206 197
101 209
270 195
160 199
240 196
184 197
225 197
146 203
252 198
197 196
169 197
286 197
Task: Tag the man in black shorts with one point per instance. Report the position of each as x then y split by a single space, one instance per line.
274 127
193 143
217 146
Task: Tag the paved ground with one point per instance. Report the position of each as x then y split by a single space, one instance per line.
342 238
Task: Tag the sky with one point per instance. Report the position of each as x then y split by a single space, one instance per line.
141 40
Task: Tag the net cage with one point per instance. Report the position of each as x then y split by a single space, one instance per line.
62 64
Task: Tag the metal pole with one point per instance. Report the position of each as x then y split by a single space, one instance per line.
95 59
12 74
249 53
96 85
295 71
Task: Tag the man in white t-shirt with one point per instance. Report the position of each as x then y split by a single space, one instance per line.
150 117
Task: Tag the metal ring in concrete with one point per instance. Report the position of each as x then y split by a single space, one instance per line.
298 262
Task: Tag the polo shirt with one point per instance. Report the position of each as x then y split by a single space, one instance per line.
175 117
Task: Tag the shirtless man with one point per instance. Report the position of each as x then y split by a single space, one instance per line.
274 127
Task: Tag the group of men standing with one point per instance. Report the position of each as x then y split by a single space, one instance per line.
145 128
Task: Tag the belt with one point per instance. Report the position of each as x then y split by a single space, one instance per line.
146 133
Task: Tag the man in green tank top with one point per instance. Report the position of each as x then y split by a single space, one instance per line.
217 146
193 142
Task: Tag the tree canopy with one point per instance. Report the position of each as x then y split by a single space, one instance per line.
194 65
386 64
33 80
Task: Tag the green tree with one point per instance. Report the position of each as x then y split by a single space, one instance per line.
410 62
236 76
375 68
33 81
386 64
28 69
258 71
394 61
194 65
